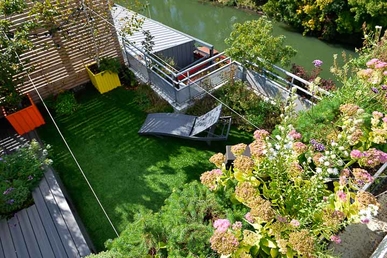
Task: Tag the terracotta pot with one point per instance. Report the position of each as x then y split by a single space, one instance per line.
26 119
103 81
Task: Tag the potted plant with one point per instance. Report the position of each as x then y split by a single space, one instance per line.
104 71
104 76
19 109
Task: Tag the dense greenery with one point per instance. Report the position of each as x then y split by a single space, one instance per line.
20 172
13 43
253 111
63 104
176 229
358 87
253 42
332 19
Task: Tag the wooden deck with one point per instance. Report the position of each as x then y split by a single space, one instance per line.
48 228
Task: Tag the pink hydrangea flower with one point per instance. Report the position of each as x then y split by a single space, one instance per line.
295 135
295 223
372 62
336 239
380 64
342 195
377 114
356 154
249 218
260 134
382 157
222 224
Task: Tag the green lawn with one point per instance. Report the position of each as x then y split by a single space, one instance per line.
127 171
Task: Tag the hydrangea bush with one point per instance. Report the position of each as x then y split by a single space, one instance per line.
284 186
20 172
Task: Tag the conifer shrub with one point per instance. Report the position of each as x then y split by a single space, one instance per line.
182 228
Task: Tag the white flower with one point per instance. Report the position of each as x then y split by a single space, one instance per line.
44 152
326 163
318 170
345 153
334 144
333 156
341 147
278 137
48 162
340 163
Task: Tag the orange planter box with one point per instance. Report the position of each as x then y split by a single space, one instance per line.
26 119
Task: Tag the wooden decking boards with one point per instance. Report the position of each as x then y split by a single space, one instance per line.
46 229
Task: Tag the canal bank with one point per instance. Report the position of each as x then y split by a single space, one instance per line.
213 24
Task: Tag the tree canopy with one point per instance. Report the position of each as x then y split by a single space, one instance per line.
253 41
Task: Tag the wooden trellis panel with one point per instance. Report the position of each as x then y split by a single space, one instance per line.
57 62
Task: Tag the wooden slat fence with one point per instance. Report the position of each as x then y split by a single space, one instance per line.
56 62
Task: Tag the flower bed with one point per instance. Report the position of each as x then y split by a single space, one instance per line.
20 172
283 186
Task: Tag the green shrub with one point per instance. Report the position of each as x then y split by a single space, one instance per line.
65 104
182 228
127 77
318 121
239 97
20 172
110 64
149 101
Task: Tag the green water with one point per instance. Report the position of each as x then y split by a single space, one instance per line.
213 24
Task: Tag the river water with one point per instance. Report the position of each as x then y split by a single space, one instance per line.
213 24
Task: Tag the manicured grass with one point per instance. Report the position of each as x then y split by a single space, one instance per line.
127 171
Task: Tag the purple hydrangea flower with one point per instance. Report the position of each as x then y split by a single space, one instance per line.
374 90
317 63
317 145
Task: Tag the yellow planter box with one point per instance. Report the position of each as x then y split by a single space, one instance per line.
103 81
